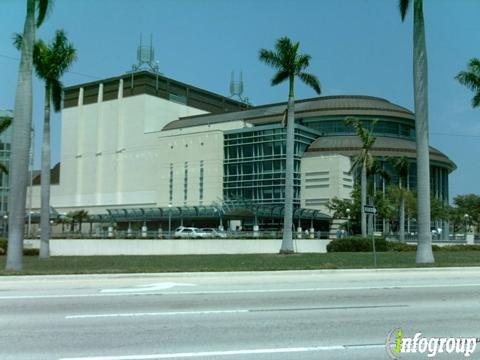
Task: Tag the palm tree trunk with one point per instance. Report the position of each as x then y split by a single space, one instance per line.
45 181
287 241
19 157
402 218
363 202
420 81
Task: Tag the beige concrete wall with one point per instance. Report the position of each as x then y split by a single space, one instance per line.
89 247
323 178
111 155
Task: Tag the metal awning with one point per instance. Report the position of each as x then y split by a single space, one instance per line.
231 211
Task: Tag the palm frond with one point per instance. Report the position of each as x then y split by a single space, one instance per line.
403 6
270 57
468 79
43 7
3 168
17 41
280 77
311 80
302 62
474 65
56 87
5 123
476 100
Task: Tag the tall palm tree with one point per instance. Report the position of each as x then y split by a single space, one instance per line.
401 166
5 123
50 62
18 179
420 92
289 64
364 161
471 79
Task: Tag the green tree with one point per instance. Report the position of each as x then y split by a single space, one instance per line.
80 216
468 205
401 166
50 62
289 64
471 79
363 161
420 93
36 12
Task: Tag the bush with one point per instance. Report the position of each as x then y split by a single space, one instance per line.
31 252
26 252
3 244
395 246
356 244
457 248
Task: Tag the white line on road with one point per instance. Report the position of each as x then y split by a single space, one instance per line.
245 291
232 311
172 313
230 353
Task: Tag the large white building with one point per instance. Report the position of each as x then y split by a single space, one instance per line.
147 143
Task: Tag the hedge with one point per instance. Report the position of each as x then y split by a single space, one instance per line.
356 244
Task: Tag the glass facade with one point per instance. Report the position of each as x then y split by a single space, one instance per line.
254 163
385 126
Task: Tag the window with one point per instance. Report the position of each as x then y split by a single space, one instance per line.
170 185
201 182
185 183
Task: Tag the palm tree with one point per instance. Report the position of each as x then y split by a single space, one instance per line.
19 157
80 216
471 79
50 62
364 161
5 122
401 166
420 92
289 64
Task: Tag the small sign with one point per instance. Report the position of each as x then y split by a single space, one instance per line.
370 209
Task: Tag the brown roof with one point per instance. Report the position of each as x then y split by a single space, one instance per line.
320 106
383 146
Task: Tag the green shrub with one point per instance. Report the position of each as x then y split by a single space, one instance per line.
3 244
395 246
458 248
26 252
356 244
30 252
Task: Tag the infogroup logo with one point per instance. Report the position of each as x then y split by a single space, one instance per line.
397 343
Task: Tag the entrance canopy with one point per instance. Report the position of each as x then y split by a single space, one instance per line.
208 212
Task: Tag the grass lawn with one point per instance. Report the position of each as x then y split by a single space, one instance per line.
256 262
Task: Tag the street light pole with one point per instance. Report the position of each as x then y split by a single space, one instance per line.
170 221
348 222
466 216
5 224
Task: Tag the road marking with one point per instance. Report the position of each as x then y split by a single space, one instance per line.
232 352
233 311
146 288
172 313
246 291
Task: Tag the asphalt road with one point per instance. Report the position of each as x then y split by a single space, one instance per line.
263 315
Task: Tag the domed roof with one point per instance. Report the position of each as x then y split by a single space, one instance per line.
383 146
343 105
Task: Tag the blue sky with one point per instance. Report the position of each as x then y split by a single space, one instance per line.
358 47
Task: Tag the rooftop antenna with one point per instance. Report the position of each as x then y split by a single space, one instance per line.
146 60
236 88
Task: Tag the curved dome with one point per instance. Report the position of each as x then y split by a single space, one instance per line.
343 105
383 146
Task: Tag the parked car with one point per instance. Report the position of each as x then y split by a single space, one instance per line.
188 232
213 233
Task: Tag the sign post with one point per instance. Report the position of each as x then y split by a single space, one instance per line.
372 210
